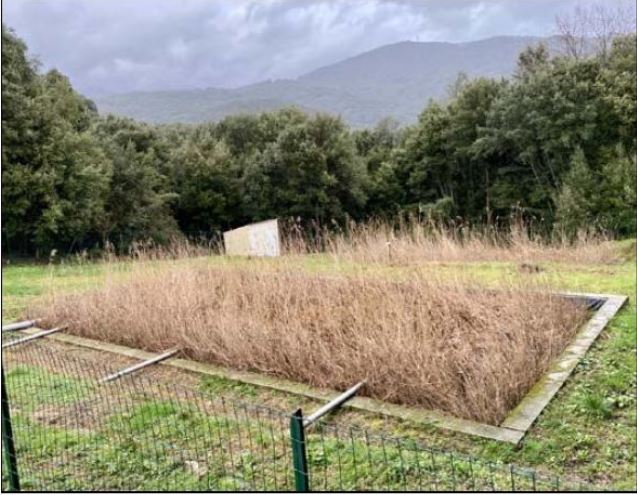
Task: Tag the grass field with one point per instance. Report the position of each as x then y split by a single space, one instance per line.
588 430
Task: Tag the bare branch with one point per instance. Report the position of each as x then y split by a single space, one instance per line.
592 29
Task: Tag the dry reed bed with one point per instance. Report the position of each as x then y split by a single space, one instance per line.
444 346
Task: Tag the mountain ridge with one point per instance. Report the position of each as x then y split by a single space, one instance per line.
395 80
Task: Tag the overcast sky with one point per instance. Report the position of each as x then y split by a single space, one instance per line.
112 46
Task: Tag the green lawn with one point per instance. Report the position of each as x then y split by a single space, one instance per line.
587 431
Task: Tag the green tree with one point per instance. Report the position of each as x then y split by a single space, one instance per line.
443 157
54 173
375 148
599 200
19 88
474 168
424 162
310 171
553 109
207 184
618 197
619 87
578 199
138 204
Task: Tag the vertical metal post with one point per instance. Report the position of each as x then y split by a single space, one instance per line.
7 441
299 455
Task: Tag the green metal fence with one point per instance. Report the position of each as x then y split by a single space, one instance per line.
64 429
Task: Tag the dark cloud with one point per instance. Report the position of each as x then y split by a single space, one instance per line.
109 46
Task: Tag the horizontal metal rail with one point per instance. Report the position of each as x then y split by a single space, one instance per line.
32 337
333 404
138 366
19 325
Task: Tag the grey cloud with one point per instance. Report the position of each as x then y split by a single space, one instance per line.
126 45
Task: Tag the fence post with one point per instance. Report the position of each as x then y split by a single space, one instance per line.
7 440
299 455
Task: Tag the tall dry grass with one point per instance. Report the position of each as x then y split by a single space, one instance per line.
414 241
423 342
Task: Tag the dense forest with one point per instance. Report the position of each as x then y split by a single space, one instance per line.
554 144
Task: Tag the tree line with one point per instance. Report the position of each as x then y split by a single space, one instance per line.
554 143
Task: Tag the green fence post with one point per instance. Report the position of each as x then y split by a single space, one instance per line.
299 456
7 441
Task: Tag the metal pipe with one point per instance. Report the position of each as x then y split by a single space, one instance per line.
333 404
32 337
20 325
138 366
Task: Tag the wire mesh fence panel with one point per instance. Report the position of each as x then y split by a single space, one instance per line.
342 458
73 431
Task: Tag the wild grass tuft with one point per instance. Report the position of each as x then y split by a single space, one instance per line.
412 242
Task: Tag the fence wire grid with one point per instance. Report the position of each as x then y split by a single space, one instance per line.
72 432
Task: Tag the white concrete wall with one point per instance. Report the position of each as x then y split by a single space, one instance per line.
256 239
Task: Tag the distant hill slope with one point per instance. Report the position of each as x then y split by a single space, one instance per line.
394 80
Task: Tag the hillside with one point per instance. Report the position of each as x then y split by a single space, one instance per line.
394 80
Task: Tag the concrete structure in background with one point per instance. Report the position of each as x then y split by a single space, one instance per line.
256 239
